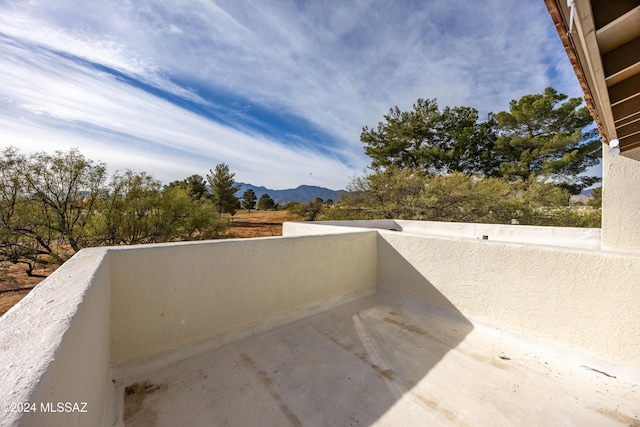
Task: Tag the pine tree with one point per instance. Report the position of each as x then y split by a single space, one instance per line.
541 136
249 199
223 189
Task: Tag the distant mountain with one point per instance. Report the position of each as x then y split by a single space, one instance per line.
301 194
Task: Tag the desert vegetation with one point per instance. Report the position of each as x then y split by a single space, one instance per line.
53 205
519 166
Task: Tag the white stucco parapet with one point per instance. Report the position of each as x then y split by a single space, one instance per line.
108 312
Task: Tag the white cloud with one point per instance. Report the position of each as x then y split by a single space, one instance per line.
65 105
336 65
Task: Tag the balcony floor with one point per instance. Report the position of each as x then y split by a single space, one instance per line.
381 360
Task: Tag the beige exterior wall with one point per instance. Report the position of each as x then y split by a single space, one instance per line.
620 203
166 296
55 346
583 299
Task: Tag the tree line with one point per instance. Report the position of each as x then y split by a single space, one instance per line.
519 166
53 205
544 136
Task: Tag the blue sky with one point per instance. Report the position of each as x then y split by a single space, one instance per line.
279 90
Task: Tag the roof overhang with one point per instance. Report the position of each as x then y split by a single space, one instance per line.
604 49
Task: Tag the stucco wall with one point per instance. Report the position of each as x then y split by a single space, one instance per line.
585 238
166 296
292 229
620 203
583 299
116 305
54 346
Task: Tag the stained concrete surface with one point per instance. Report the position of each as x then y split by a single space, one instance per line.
382 360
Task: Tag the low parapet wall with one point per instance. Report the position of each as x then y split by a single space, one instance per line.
164 297
582 299
113 306
54 348
291 229
573 237
109 306
584 238
543 281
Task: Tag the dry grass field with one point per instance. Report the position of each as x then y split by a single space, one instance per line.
15 284
258 223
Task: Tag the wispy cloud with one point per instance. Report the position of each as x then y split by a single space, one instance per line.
279 90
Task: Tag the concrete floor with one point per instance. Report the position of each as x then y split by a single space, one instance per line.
387 361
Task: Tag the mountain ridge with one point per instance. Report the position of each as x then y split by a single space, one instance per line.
300 194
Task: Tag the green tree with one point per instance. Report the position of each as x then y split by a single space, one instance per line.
544 135
52 205
266 202
223 189
383 193
22 241
136 209
462 198
47 205
184 218
410 194
173 214
405 138
249 199
464 143
129 209
309 211
431 141
66 187
195 185
203 222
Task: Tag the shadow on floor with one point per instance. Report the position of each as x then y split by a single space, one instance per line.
347 366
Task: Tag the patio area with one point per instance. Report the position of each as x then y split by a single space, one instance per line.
378 324
385 359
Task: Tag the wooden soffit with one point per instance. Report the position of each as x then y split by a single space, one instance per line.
604 49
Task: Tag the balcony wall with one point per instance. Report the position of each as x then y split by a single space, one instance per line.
582 299
109 306
585 238
561 291
167 296
54 347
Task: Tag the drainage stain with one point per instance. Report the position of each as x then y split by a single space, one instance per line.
621 418
134 396
387 373
267 382
414 329
406 326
